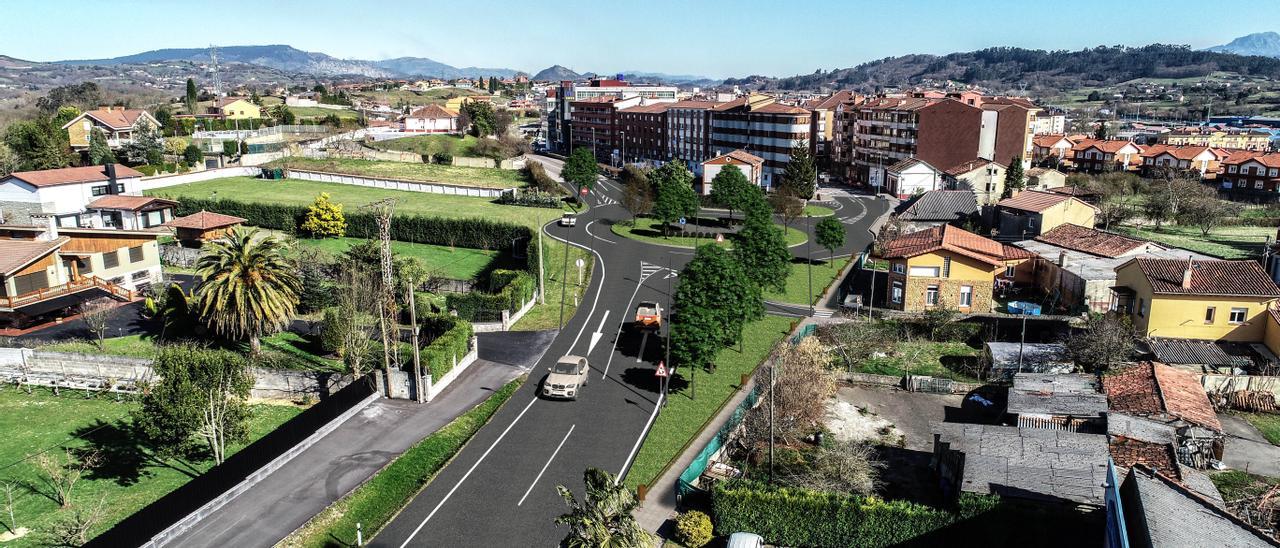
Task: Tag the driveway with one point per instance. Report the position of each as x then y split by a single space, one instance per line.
1247 449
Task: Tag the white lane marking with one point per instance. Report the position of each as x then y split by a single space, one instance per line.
636 447
548 463
465 476
588 229
622 323
595 337
596 299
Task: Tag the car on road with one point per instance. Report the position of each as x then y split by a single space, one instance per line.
649 315
568 219
566 378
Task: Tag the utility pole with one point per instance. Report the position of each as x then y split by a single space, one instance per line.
670 305
417 363
564 282
1022 341
871 302
772 372
542 284
382 210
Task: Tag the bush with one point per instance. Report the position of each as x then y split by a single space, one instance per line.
537 174
450 340
192 155
508 290
533 198
693 529
331 330
230 148
146 170
442 158
169 167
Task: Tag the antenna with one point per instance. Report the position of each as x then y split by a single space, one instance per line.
213 65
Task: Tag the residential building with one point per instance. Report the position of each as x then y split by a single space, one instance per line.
431 119
235 108
887 130
455 104
752 167
939 207
1195 299
984 177
305 99
1218 137
642 133
911 177
119 124
560 99
1053 145
1014 119
1159 510
1097 156
1203 161
65 193
1251 172
1054 123
130 212
762 126
688 133
594 125
1076 265
822 128
1152 396
1044 178
1030 213
1046 465
1058 401
951 267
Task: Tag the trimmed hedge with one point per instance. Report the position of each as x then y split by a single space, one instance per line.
529 199
452 340
508 290
374 504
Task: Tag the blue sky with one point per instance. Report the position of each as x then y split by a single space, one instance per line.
712 38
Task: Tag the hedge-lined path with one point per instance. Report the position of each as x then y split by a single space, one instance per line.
351 454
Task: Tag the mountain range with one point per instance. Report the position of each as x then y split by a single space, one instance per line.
1266 44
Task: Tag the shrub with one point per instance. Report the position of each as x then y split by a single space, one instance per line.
537 174
170 167
230 147
533 198
450 338
693 529
442 158
192 155
508 290
331 330
147 170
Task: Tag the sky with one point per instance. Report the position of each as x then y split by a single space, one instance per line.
704 37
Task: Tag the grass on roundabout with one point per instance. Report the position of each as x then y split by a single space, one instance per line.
649 230
818 211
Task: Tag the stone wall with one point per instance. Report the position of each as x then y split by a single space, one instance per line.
948 294
19 213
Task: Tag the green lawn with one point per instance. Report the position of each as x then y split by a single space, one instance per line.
1238 484
318 112
430 144
485 177
547 316
934 359
818 211
458 263
684 417
797 291
1228 242
130 476
650 230
1267 423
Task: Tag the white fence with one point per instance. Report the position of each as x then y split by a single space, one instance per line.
161 181
395 184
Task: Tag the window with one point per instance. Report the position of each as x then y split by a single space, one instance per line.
1141 312
1231 169
897 292
1009 270
931 295
1257 184
925 271
899 268
966 295
88 126
1238 315
1209 314
29 283
135 254
111 259
1273 172
140 275
946 267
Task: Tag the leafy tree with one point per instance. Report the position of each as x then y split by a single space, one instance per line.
604 518
761 248
1014 179
192 98
176 146
202 394
580 169
99 152
146 147
801 174
1206 212
283 115
480 113
637 192
829 233
1106 340
8 160
37 144
674 196
192 155
84 94
324 218
1094 96
729 188
249 286
1103 132
66 113
165 117
713 302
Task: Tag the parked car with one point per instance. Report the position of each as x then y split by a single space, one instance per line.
566 378
568 219
745 540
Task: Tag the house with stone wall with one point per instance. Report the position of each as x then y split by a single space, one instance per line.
950 267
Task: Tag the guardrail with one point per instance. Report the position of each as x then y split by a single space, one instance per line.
10 302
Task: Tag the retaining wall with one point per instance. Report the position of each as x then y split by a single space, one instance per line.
149 183
395 184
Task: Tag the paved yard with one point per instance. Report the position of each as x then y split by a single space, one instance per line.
909 412
1247 449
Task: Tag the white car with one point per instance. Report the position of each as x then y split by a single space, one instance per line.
566 378
568 219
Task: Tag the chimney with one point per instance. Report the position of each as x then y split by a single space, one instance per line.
111 177
1062 258
1186 274
50 226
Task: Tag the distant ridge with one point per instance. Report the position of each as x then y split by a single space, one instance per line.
1266 44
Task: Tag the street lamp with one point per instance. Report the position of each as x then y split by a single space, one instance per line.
808 251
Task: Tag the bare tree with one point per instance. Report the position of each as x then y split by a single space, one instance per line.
802 386
1104 341
637 193
60 474
844 467
1206 212
786 204
97 316
8 488
75 529
357 300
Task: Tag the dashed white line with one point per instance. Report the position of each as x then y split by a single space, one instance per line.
545 465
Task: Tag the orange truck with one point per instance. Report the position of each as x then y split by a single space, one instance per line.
649 315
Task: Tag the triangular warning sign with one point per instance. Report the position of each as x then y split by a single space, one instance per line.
662 370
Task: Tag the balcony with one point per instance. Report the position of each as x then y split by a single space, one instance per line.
12 303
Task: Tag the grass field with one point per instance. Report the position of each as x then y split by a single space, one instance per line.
935 359
458 263
430 144
684 416
798 282
1267 423
650 230
1228 242
319 112
484 177
818 211
129 478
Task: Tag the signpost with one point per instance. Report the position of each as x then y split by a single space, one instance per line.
580 264
664 376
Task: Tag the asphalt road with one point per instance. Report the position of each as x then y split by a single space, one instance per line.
501 488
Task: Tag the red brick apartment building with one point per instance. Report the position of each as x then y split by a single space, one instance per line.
1247 171
594 124
642 132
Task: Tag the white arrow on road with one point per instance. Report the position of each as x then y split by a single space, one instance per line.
595 337
671 274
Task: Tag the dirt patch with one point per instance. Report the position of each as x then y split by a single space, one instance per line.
848 422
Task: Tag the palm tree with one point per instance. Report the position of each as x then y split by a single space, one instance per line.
603 519
249 286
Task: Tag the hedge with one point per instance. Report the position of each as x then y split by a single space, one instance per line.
373 504
452 341
529 199
508 290
476 233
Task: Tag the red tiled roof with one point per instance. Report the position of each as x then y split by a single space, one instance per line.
130 203
432 112
1151 388
830 101
1109 145
956 240
1181 152
651 108
1271 159
224 101
1037 201
1127 452
971 165
1049 139
1007 100
1090 240
115 117
738 155
1208 277
205 220
899 103
72 175
17 254
691 103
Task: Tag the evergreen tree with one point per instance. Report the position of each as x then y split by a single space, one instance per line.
801 174
829 233
581 169
192 98
99 152
37 144
761 248
729 188
674 196
1014 180
1103 132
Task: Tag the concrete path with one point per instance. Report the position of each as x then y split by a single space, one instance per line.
1247 449
350 455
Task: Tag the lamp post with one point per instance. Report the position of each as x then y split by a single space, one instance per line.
808 251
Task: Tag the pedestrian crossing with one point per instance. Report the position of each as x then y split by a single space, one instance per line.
604 200
820 313
648 269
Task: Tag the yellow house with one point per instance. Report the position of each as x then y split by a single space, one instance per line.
1031 212
235 108
946 266
1208 299
118 123
455 104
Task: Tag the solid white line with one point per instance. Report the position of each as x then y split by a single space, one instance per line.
636 447
548 463
596 299
588 229
621 324
465 476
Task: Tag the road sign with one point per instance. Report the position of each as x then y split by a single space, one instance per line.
583 191
580 263
662 370
682 221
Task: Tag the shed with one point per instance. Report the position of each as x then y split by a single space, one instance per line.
202 226
1035 358
1071 402
1052 465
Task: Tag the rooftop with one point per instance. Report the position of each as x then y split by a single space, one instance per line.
738 156
1093 241
72 175
128 203
955 240
1208 277
941 205
1158 508
204 220
1028 462
1156 390
17 254
1056 394
432 111
1037 201
113 117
